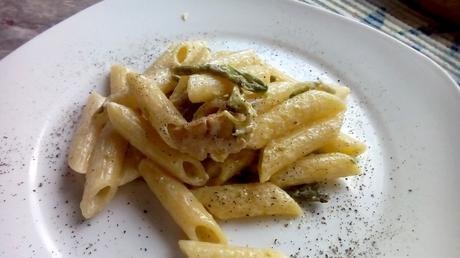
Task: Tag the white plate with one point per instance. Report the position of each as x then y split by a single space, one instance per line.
403 105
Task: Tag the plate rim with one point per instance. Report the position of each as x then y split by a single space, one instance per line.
320 10
302 4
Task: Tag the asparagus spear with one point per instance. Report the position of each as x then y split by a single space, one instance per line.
308 193
243 80
306 86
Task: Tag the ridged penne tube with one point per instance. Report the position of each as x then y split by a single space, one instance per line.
146 140
104 171
345 144
316 168
283 151
179 99
231 166
340 91
211 107
238 59
118 79
278 76
220 54
281 91
293 114
124 98
179 95
246 200
184 53
119 90
130 165
257 70
202 88
182 205
277 93
155 106
90 124
196 249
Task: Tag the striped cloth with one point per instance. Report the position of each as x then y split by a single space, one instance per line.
402 22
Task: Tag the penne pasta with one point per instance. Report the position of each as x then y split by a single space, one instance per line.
278 76
231 166
131 161
119 90
118 79
179 96
147 141
196 122
277 93
220 54
208 108
104 172
196 249
212 135
182 205
283 151
246 200
293 114
203 88
238 59
340 91
184 53
345 144
155 106
316 168
90 124
180 99
259 71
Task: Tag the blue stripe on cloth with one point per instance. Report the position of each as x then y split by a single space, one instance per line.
414 29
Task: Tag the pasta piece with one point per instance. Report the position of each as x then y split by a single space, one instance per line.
293 114
125 99
119 90
278 76
340 91
211 135
184 53
238 59
130 164
118 79
231 166
179 96
196 249
220 54
316 168
104 171
283 151
179 99
211 107
202 88
257 70
277 93
246 200
155 106
146 140
182 205
91 122
345 144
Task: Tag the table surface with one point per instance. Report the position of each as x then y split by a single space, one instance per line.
22 20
